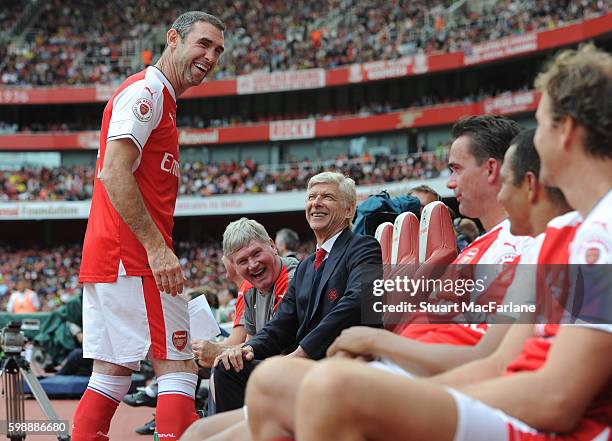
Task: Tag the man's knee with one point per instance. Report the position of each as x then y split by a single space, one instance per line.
262 380
229 387
162 367
195 431
220 375
332 381
106 368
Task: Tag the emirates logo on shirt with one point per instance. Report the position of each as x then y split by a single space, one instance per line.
170 165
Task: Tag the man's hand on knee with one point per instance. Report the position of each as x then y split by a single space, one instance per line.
234 356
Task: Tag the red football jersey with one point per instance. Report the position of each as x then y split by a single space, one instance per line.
594 233
494 247
497 246
551 247
143 110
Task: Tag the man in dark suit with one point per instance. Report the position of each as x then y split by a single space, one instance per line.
324 297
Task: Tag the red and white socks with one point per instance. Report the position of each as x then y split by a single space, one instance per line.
93 415
175 404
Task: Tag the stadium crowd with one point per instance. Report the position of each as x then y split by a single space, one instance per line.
85 42
63 183
53 272
206 179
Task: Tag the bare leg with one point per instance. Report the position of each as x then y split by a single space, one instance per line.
238 432
343 400
207 427
106 368
271 396
162 367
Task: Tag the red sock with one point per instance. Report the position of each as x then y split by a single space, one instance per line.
174 414
93 416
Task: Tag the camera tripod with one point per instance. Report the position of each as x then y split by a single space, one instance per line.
13 370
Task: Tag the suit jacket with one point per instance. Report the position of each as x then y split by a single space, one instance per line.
313 316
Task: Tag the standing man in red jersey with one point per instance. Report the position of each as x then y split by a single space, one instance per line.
130 273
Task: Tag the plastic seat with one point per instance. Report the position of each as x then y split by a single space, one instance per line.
437 240
405 239
384 235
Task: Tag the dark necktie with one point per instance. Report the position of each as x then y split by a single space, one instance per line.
319 257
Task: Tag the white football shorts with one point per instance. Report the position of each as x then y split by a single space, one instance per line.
128 320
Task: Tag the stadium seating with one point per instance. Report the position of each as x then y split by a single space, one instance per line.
437 241
384 234
405 240
91 121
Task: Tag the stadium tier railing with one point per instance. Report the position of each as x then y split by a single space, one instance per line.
512 46
297 129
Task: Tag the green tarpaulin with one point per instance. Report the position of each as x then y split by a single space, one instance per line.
50 329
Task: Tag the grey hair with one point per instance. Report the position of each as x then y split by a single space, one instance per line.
240 233
346 186
185 21
289 237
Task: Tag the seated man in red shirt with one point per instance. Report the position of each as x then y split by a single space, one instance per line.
545 382
530 207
